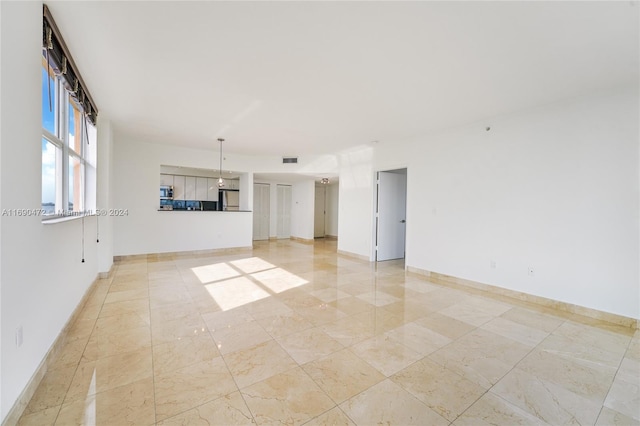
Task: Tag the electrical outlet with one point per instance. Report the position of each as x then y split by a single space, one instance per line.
19 336
530 271
492 264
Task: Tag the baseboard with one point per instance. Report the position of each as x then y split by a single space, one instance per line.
108 274
158 257
353 255
302 240
29 390
331 237
449 280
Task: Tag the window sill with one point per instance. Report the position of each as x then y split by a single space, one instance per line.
61 219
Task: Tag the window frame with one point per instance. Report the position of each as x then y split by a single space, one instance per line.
61 140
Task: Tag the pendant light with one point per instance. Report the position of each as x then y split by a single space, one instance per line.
220 180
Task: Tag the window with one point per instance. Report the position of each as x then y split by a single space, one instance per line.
68 132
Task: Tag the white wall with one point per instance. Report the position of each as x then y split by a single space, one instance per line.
42 276
146 230
104 224
554 188
302 203
356 202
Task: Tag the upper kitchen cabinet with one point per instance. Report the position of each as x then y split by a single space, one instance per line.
166 180
190 188
179 186
202 189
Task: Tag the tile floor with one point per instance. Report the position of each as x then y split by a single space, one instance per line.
295 334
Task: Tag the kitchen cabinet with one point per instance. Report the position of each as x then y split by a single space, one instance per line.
179 186
233 183
201 189
166 180
190 188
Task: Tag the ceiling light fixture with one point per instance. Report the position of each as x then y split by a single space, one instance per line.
324 181
220 180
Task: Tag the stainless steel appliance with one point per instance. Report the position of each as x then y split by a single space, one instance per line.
229 199
166 192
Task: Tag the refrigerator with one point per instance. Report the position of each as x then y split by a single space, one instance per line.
229 199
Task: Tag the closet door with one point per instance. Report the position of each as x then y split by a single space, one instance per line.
260 211
284 211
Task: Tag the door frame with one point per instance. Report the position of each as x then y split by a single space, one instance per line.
374 239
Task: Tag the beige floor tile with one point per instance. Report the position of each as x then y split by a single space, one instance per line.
588 379
308 345
547 401
609 417
108 373
189 387
130 404
81 329
169 295
446 326
239 336
342 374
520 333
352 305
258 363
385 355
267 307
286 306
320 314
180 353
333 417
117 323
70 354
348 331
409 310
481 356
119 296
286 398
179 311
379 321
624 396
225 411
388 403
46 417
420 339
445 392
52 390
102 345
587 345
492 410
168 331
139 307
539 320
472 312
279 326
378 298
330 294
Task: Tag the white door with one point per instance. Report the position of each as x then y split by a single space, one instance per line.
391 220
260 211
319 212
284 211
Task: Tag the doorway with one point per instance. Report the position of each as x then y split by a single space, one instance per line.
320 211
390 214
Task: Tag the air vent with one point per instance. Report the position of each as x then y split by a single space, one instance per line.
289 160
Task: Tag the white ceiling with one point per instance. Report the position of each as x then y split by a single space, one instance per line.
301 78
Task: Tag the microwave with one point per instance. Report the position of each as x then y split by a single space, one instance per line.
166 192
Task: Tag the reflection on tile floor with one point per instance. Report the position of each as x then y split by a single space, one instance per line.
295 334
